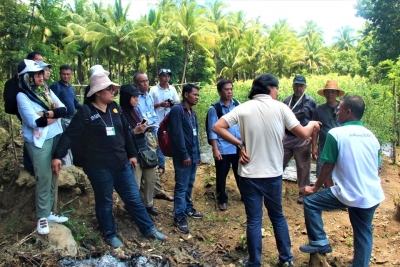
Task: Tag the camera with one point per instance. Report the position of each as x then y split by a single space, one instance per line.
170 101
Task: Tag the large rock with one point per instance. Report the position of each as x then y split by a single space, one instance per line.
24 178
61 241
70 176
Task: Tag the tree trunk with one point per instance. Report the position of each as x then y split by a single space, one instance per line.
396 124
318 260
186 60
119 62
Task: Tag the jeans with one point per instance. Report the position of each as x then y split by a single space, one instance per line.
360 219
221 170
103 181
161 158
184 180
254 191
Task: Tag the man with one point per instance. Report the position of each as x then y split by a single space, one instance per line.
184 131
46 69
326 114
146 107
262 121
225 154
164 96
66 93
303 107
351 154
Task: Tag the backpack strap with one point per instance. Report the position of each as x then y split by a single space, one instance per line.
218 109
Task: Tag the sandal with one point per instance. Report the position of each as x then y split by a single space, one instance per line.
160 172
164 196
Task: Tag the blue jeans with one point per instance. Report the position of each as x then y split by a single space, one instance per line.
103 181
184 180
254 191
360 219
161 158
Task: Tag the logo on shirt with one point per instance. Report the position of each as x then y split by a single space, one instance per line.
95 116
360 135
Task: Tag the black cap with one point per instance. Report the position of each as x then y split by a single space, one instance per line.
130 89
299 79
164 71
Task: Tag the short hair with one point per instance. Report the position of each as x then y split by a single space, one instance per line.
221 84
136 74
32 55
356 104
65 67
187 88
260 84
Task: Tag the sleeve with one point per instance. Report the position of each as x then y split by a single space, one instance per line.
231 117
56 100
71 134
55 88
289 118
27 110
176 131
315 116
175 95
76 102
330 152
212 118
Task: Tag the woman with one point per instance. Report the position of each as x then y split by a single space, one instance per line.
40 110
129 101
109 153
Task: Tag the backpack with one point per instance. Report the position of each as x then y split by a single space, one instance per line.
78 147
163 136
11 89
218 109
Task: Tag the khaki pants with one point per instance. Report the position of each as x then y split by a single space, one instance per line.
152 144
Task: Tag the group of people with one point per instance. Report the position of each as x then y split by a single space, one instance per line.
256 139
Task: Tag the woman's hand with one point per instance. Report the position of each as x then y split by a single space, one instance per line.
140 128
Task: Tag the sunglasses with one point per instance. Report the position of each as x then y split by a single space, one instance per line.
112 90
162 71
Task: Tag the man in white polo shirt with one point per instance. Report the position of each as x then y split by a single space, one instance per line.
351 153
262 122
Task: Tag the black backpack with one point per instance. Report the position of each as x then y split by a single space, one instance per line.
218 109
78 148
11 89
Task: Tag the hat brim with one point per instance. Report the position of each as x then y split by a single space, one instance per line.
164 73
101 86
321 92
299 83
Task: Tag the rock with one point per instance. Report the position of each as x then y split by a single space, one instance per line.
61 241
78 191
24 178
70 175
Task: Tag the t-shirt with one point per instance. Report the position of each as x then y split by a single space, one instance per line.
160 95
321 113
262 122
355 151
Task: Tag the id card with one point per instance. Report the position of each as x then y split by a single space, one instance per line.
194 132
110 131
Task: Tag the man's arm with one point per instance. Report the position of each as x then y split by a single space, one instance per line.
325 174
304 132
314 148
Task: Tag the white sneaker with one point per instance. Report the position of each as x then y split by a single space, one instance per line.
43 226
56 218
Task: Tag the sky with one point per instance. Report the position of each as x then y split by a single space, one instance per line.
329 15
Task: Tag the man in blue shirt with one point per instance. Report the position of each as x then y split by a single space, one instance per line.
146 108
66 93
224 153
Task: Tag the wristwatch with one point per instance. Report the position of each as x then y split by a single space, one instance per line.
240 146
45 113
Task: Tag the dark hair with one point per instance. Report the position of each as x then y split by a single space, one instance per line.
32 55
127 108
221 84
356 104
260 84
65 67
187 88
136 74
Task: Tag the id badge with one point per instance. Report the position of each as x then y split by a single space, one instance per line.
148 114
194 132
110 131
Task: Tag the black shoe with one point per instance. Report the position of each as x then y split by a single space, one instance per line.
285 264
152 211
181 225
194 214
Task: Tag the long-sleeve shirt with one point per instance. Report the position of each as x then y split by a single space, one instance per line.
146 109
66 94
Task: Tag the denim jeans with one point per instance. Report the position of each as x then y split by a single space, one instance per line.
221 171
360 219
184 180
161 158
103 181
254 191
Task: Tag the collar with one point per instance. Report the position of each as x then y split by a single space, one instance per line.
347 123
222 103
262 96
159 87
63 84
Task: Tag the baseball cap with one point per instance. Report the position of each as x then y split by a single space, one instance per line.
164 71
28 65
44 64
299 79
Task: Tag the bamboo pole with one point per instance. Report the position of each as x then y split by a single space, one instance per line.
55 203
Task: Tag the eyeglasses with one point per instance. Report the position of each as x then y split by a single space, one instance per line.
163 71
111 89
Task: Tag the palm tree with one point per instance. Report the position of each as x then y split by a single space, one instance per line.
311 29
345 39
316 57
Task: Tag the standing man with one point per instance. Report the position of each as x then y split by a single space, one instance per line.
184 131
225 154
66 93
326 114
262 121
165 96
351 154
303 107
146 108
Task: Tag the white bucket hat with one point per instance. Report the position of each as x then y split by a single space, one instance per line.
96 69
100 82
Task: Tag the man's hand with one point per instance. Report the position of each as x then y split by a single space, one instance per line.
199 162
314 153
317 125
187 162
243 157
308 190
133 162
216 154
56 166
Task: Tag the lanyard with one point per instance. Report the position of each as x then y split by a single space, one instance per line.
298 101
109 112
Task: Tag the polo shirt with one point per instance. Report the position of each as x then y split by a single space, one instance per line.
146 109
159 95
321 113
66 94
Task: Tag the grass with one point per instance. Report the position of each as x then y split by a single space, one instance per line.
214 217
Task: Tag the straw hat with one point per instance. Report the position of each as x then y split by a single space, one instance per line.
100 82
331 85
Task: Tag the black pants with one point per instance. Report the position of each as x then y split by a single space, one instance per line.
222 168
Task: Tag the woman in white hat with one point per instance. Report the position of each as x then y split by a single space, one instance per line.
109 154
40 110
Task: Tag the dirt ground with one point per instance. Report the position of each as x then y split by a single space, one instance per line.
217 240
